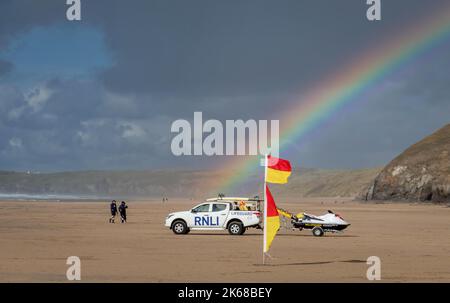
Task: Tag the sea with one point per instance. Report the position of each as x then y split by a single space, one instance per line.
50 197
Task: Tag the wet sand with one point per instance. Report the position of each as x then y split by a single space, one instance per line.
412 241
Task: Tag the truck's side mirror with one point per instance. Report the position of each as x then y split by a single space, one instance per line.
193 211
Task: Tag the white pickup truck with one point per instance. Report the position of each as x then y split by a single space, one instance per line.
233 214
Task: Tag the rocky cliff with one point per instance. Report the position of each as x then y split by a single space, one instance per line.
420 173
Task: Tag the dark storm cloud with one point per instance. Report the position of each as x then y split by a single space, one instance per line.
202 48
235 48
230 59
224 48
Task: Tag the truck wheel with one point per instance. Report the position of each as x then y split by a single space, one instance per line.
236 228
317 231
179 228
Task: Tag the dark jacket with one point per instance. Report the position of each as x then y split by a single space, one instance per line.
123 209
113 209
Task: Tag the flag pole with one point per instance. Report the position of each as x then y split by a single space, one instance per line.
265 209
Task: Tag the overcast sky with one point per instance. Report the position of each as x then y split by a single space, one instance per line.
102 93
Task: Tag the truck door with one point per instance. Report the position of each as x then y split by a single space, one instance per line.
199 217
219 214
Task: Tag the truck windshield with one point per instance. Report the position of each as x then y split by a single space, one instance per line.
201 208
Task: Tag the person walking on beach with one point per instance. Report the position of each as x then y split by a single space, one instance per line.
113 207
123 212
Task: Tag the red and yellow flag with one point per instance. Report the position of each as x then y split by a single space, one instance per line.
278 170
272 223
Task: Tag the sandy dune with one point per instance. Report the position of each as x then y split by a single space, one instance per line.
412 241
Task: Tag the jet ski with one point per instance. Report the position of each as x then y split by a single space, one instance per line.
329 222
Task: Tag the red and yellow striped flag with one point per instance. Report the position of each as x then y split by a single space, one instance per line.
278 170
272 223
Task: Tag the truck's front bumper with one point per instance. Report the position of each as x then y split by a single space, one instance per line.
168 223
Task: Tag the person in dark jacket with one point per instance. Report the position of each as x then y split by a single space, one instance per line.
113 207
123 212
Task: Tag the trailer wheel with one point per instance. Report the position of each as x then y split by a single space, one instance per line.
180 227
317 231
236 228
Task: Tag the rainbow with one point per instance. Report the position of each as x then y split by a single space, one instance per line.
331 95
